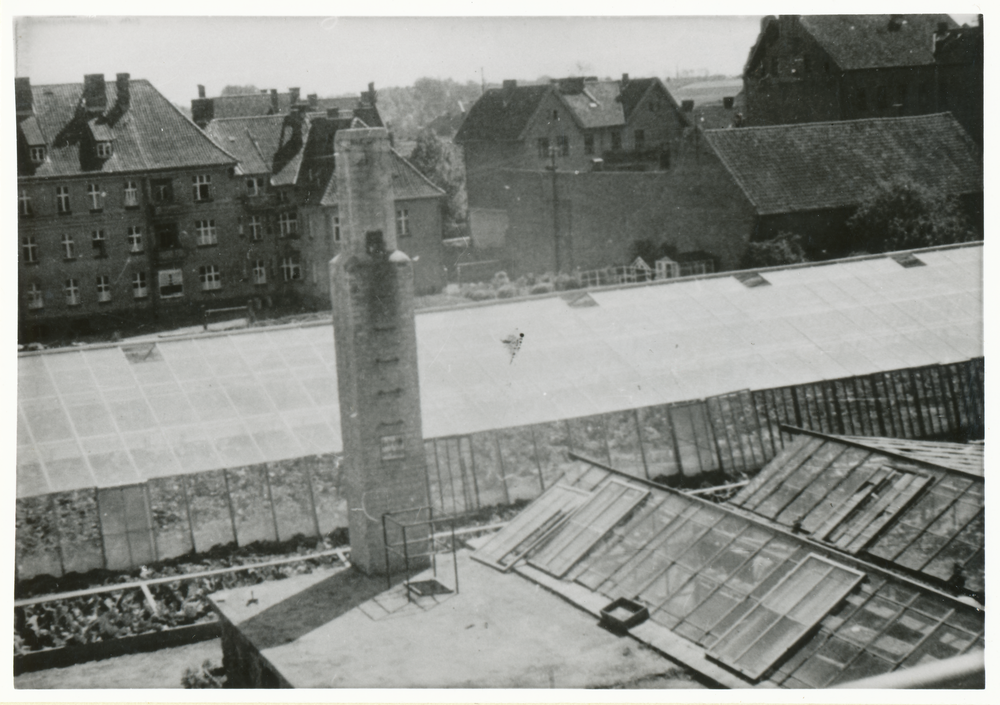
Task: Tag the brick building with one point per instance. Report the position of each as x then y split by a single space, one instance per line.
814 68
126 209
290 221
809 178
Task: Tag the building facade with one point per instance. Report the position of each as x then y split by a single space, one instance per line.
126 210
806 68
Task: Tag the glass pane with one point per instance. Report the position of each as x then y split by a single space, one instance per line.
209 504
290 493
79 530
944 643
824 596
714 608
736 554
589 438
665 585
251 505
740 638
864 666
868 621
168 505
492 490
704 550
658 442
623 440
520 467
771 645
798 584
921 551
37 538
686 599
902 636
326 474
761 566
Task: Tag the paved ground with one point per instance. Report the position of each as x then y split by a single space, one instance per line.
159 669
501 631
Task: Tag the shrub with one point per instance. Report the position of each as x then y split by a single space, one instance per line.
566 282
542 288
785 248
500 279
480 294
507 292
208 676
529 279
902 215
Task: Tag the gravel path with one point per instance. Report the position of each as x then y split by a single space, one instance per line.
157 669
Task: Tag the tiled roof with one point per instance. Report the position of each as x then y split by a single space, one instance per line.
742 602
150 134
789 168
257 143
407 183
865 41
501 115
248 105
866 500
598 105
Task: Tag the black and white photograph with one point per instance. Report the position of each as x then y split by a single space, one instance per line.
498 351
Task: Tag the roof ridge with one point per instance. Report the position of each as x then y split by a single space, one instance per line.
417 171
805 125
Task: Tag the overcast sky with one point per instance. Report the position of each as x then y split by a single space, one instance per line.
331 56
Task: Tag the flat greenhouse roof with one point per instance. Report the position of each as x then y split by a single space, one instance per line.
113 415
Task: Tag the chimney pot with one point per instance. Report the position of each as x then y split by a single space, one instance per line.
123 89
274 101
293 95
201 91
624 79
509 84
22 96
727 102
313 99
687 106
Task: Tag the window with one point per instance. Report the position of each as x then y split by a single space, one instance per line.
131 194
162 191
69 248
171 283
62 199
555 115
640 140
37 155
543 147
288 224
98 242
291 270
336 228
168 236
284 196
861 100
207 234
140 288
616 140
563 143
255 186
402 222
72 290
588 144
392 447
134 238
259 272
35 300
201 187
103 150
210 277
103 289
29 249
24 203
95 197
256 227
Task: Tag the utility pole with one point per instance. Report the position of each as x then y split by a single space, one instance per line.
555 208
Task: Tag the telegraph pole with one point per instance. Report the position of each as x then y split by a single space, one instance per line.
555 208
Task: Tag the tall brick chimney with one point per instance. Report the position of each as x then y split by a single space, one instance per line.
275 106
23 99
94 93
201 91
293 95
376 345
123 90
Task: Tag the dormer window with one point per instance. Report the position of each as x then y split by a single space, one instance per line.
104 150
37 155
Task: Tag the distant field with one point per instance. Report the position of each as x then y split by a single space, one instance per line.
707 91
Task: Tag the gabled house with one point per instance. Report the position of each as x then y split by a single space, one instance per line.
290 225
125 208
809 178
813 68
572 121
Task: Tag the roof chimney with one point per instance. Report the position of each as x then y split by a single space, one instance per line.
94 93
687 106
201 91
371 93
202 111
313 99
624 80
509 85
293 96
727 102
895 22
22 96
123 90
942 28
765 21
274 101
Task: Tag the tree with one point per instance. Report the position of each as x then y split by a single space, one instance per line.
784 248
239 90
903 215
438 161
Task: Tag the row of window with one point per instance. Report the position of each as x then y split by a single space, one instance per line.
38 153
562 144
899 96
170 281
161 191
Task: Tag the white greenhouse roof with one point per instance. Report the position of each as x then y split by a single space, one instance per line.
111 415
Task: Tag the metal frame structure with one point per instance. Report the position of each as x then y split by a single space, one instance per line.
429 523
